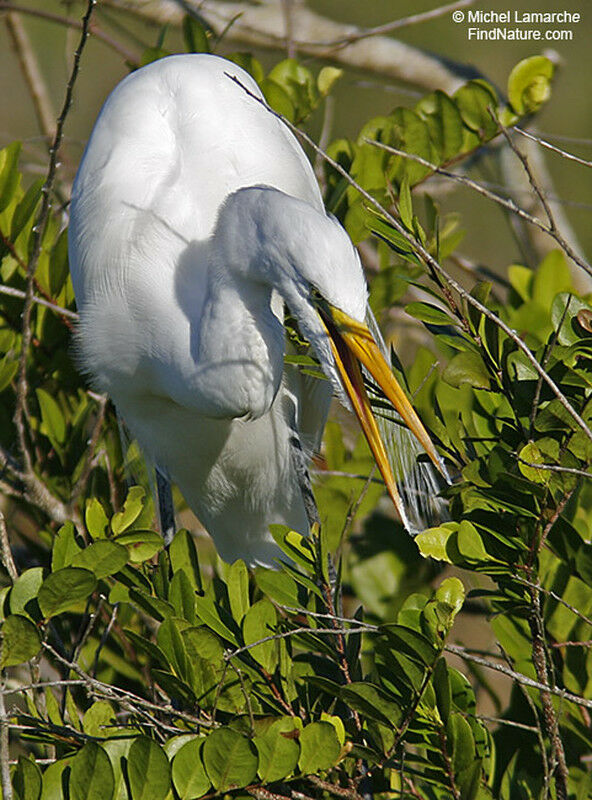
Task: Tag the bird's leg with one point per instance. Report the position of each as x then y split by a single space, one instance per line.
166 508
312 512
303 478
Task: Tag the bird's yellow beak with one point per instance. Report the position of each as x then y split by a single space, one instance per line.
353 345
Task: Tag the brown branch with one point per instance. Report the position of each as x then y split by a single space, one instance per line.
397 24
32 75
506 203
10 291
131 57
128 700
552 147
539 658
524 680
6 552
35 488
334 789
5 781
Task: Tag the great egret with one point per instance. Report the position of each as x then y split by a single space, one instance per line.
195 216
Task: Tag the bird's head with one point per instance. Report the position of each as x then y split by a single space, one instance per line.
269 237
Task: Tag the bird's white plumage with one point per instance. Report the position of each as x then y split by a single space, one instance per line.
194 215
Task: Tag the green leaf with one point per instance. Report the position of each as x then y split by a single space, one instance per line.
551 278
469 542
117 750
432 543
426 312
20 640
461 741
103 558
132 508
9 174
8 370
53 778
195 35
529 84
279 586
65 547
319 747
277 97
189 775
182 597
531 454
467 367
183 555
91 774
65 589
474 101
260 622
59 267
26 780
372 701
170 641
442 689
98 720
278 750
148 770
229 760
405 204
210 614
411 642
294 545
52 418
25 589
25 209
142 545
96 519
327 78
237 581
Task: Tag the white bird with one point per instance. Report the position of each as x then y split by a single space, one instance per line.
195 217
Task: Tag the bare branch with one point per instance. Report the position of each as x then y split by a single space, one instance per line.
517 676
395 25
553 148
6 552
63 312
4 742
509 204
76 24
32 74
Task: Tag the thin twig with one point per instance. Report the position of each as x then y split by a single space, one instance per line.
507 203
6 552
389 27
64 312
552 147
32 75
229 654
127 699
131 57
4 744
518 676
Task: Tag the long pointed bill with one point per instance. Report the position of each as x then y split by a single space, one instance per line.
352 345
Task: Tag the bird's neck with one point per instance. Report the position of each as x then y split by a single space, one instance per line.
241 346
